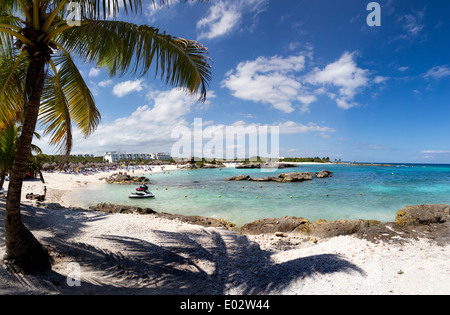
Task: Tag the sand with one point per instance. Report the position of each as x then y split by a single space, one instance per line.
146 254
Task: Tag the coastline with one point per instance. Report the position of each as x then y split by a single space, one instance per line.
150 254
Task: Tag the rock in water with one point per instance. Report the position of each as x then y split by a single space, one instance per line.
282 178
324 173
126 179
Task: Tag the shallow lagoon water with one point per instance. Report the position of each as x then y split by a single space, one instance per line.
354 192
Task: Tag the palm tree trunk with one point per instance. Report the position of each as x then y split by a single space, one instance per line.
22 248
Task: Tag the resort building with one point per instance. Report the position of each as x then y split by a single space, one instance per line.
162 156
115 156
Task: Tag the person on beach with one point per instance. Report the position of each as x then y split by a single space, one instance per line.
45 191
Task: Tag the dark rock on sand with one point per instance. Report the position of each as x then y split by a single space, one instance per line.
272 225
324 229
198 220
302 226
203 221
412 222
422 214
111 208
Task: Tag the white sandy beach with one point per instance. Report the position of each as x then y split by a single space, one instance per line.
145 254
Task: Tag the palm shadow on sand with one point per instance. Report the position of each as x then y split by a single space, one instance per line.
178 267
179 264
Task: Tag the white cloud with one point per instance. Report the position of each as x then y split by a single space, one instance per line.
291 127
94 72
278 81
435 152
151 11
380 79
105 83
127 87
222 18
225 16
412 23
437 72
267 80
343 74
169 106
306 100
147 129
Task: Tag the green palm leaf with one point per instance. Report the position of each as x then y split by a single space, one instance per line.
12 76
66 99
123 47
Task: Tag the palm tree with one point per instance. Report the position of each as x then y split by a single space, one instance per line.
7 149
39 80
8 141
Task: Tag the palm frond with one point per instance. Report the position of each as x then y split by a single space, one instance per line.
12 75
8 140
95 9
54 114
84 113
123 47
67 100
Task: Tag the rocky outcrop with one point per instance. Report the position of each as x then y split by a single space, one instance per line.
266 165
303 227
285 177
197 220
111 208
249 165
324 173
123 179
239 177
324 229
284 165
282 178
272 225
422 215
412 222
295 177
195 166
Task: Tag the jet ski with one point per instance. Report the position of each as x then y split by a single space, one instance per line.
142 188
144 194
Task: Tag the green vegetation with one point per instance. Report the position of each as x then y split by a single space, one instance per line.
306 159
50 159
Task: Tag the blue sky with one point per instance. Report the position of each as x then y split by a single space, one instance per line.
333 85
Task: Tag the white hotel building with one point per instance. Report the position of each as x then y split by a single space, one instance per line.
115 156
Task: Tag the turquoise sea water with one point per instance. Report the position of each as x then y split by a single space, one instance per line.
354 192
